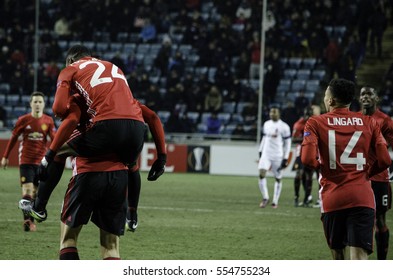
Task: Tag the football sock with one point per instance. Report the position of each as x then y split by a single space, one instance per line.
277 192
297 186
382 240
263 188
307 189
27 197
45 188
69 253
134 188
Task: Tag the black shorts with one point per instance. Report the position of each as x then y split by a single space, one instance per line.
28 173
99 195
298 165
122 137
383 196
349 227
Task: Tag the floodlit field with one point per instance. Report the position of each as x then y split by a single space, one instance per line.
181 216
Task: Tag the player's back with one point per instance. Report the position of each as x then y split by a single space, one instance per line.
345 141
105 89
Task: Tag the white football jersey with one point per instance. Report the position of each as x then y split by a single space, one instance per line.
276 140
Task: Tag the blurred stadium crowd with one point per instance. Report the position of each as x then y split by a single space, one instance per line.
195 62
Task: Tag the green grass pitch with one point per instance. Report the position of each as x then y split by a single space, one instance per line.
181 216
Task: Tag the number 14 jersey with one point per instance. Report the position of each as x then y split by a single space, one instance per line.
344 141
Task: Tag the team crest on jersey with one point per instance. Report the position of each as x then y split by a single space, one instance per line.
44 127
306 134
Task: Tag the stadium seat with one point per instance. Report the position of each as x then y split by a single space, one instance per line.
236 118
13 99
122 37
63 44
284 85
295 62
102 46
229 128
309 63
329 30
289 74
205 116
90 44
298 85
143 49
2 98
241 105
339 31
224 117
201 127
25 100
129 48
116 47
303 74
312 85
193 117
185 49
283 62
19 111
229 107
164 116
5 88
318 74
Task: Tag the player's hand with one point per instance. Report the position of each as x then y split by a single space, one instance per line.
45 162
284 163
4 162
158 168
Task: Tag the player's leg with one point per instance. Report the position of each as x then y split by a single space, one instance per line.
263 166
297 179
277 172
68 242
334 227
307 185
109 242
46 187
382 194
28 179
134 189
110 210
360 229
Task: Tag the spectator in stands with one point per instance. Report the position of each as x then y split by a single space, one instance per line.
3 117
250 113
254 47
194 99
301 102
242 66
148 32
165 52
118 61
378 25
223 76
238 133
213 124
153 98
213 100
177 63
332 54
178 123
62 28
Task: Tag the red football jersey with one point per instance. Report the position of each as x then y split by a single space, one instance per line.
297 132
345 140
103 86
34 133
386 126
101 164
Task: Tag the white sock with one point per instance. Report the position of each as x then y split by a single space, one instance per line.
277 192
263 188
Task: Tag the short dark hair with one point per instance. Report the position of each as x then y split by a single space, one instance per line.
37 93
343 90
78 51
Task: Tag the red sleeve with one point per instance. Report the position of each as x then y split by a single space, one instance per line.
14 138
60 103
387 131
383 159
155 127
309 152
68 125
